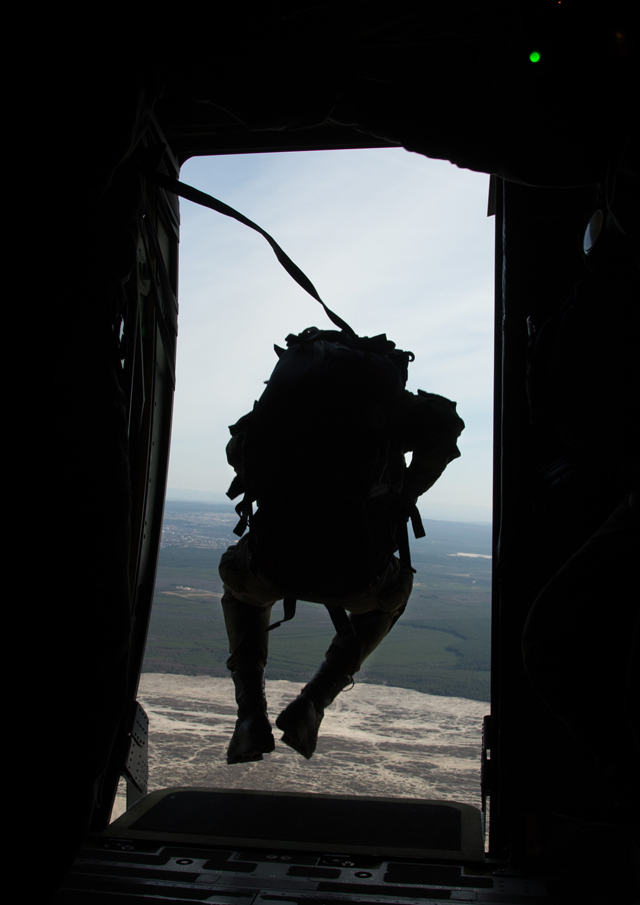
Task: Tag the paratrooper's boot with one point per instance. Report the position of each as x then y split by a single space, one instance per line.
300 721
252 736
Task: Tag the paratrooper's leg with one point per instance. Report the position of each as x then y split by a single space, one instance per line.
248 645
372 618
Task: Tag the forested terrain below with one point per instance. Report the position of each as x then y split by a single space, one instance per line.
441 645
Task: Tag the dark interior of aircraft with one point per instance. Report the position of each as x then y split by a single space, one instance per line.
540 96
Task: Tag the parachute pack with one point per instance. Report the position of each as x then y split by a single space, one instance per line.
318 455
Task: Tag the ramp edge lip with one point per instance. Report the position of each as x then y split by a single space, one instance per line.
471 839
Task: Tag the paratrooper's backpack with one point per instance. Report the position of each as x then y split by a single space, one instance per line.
318 455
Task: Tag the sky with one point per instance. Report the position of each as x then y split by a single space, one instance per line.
394 243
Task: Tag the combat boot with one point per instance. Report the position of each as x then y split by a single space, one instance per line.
252 736
300 721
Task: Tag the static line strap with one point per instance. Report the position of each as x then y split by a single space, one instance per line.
198 197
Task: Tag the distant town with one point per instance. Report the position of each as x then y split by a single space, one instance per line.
200 525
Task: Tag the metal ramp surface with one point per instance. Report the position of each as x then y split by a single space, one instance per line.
233 847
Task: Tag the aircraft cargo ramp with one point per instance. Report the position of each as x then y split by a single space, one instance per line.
253 848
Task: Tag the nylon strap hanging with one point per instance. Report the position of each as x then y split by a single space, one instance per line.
289 605
416 522
403 536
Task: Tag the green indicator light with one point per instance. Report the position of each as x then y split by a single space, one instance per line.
534 56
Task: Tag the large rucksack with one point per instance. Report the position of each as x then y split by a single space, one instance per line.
318 452
319 455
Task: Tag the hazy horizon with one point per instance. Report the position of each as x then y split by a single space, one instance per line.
188 495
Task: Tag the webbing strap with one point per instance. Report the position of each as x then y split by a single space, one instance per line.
416 523
289 604
198 197
339 617
341 622
403 536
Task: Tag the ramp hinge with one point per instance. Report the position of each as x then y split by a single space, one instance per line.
136 768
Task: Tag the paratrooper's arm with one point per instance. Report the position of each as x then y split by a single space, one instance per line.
429 428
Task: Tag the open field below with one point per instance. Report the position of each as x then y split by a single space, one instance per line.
440 646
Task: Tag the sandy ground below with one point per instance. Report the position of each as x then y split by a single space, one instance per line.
374 740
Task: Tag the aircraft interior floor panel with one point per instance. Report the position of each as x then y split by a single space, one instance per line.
114 870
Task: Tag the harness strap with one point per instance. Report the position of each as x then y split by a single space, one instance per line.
403 536
289 604
341 621
339 617
416 522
